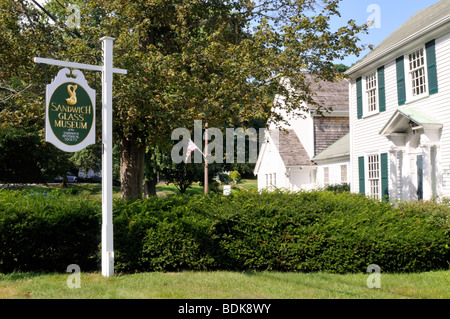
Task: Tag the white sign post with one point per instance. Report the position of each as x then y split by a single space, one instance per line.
107 199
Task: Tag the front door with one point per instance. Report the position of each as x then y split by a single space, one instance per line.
419 162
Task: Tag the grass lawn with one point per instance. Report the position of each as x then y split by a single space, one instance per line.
94 190
226 285
170 189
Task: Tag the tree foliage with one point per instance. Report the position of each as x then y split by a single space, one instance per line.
216 61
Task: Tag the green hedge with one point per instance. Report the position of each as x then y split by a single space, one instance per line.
308 231
47 232
305 231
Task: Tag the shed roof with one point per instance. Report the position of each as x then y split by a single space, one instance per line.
339 148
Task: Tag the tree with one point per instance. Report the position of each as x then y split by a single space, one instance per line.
25 159
88 158
183 175
24 156
156 162
341 67
215 61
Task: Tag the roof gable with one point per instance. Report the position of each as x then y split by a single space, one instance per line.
420 23
290 148
328 94
408 118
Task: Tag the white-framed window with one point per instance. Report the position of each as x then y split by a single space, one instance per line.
371 93
267 180
344 178
326 175
274 179
417 74
373 175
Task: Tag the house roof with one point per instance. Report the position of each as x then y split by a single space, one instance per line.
290 148
339 148
408 118
329 94
422 21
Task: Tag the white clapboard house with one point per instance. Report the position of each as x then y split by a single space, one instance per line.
313 150
400 111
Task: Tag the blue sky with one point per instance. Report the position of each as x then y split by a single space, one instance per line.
392 14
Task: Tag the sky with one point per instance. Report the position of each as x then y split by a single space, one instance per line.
391 14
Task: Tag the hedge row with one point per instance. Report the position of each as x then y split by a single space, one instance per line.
40 232
305 231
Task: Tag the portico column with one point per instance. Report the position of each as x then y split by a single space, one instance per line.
426 171
437 179
396 165
393 180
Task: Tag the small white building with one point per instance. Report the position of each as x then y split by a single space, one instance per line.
400 111
333 163
295 157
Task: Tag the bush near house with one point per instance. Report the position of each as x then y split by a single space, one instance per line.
235 176
305 231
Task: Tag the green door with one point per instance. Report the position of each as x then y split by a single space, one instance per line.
419 177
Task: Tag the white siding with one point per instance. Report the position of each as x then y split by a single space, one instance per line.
365 137
301 179
271 166
334 173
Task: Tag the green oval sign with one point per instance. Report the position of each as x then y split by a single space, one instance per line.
70 113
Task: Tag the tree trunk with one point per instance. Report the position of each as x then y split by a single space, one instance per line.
150 187
131 169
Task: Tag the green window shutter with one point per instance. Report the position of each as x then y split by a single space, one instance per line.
384 176
401 89
431 65
381 91
359 101
362 180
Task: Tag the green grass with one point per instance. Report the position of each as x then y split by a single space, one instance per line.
226 285
83 190
94 191
170 189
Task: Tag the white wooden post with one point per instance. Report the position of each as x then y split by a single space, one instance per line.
107 202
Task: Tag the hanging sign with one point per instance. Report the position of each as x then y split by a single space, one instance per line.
70 112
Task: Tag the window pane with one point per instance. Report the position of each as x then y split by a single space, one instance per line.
417 72
374 175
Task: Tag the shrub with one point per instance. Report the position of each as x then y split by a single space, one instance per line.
338 188
305 231
235 176
47 233
283 231
225 179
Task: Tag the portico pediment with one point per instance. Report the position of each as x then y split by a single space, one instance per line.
405 120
